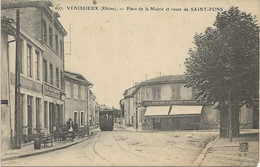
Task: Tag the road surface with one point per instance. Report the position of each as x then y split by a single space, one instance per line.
122 148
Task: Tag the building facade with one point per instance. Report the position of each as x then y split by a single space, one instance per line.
128 106
92 108
76 103
42 70
165 103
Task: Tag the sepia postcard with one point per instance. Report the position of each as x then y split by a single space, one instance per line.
130 82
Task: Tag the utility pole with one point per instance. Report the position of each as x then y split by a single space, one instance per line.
230 114
17 126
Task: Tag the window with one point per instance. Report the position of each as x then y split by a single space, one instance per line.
82 118
37 62
51 74
186 93
76 92
67 90
22 55
44 31
61 81
75 117
29 60
45 114
29 114
82 93
56 43
45 73
156 93
175 92
57 78
50 37
61 48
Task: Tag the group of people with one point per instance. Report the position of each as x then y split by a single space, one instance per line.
71 126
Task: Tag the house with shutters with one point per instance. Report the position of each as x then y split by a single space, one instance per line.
166 103
77 104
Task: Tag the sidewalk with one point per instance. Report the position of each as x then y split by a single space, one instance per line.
222 152
28 148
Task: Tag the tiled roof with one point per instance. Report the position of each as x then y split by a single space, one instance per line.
77 76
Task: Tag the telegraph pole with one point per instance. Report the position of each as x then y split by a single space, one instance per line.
17 126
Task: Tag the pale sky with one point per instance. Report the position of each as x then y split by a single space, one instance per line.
114 49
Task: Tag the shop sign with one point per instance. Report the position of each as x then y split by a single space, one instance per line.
51 91
170 102
27 84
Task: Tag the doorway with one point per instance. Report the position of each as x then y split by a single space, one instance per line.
51 117
156 123
38 113
29 116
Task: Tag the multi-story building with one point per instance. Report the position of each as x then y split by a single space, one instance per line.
166 103
42 66
76 103
128 105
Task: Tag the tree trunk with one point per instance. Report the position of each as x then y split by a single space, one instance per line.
235 120
230 120
224 121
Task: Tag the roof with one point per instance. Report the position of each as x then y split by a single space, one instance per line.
129 91
166 78
157 80
56 15
76 76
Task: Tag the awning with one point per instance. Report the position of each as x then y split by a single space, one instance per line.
185 110
157 111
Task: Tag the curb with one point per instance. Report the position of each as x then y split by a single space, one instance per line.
200 158
45 151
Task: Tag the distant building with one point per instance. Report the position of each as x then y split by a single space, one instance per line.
92 108
96 113
128 106
76 103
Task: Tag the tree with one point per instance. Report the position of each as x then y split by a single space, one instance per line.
224 65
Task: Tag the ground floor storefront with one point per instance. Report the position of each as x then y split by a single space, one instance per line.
180 117
189 117
41 110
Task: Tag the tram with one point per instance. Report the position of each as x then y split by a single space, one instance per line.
106 120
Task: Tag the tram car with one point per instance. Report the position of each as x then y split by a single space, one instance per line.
106 120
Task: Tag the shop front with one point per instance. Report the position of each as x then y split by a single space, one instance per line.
172 117
53 108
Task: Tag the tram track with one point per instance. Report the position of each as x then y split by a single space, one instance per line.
143 157
96 152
